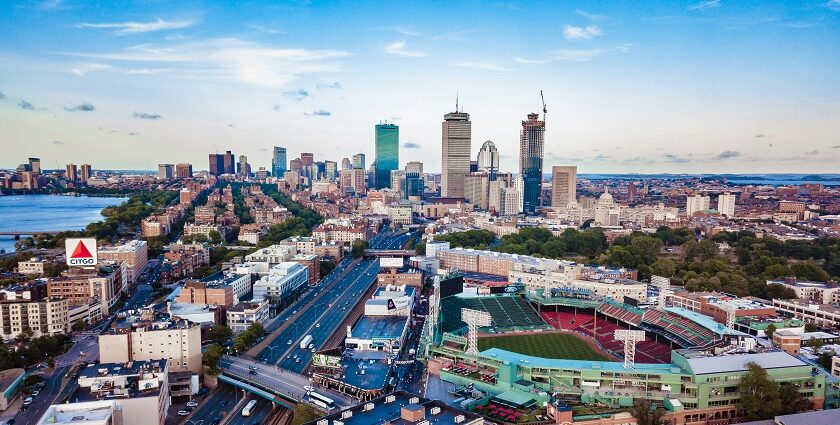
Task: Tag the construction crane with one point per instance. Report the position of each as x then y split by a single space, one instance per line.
545 110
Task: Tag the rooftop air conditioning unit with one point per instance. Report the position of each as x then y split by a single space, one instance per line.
459 419
414 400
390 399
323 422
347 414
368 406
435 410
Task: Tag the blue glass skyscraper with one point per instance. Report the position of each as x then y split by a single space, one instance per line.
531 151
278 162
387 153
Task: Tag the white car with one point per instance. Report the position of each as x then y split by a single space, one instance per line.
192 403
27 401
183 413
317 325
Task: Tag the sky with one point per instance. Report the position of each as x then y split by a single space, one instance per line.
701 86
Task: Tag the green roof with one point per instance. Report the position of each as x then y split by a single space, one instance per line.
516 397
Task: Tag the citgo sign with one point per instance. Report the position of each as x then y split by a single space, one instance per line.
80 251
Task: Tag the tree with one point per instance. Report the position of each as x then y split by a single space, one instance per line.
215 237
770 330
358 248
219 334
79 325
210 358
791 400
664 267
810 327
759 394
647 413
814 344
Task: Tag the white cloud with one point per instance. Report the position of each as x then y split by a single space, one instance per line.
400 48
487 66
228 59
139 27
581 33
708 4
87 67
578 55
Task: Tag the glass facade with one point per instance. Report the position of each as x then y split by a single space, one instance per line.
278 162
387 153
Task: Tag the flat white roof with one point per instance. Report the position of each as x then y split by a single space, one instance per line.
738 362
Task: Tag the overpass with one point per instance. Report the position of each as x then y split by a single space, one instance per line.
389 253
272 383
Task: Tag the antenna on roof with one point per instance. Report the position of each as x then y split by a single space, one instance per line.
545 110
456 101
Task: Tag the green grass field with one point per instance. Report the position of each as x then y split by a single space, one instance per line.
551 346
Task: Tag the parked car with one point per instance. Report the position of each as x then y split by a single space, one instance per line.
192 403
183 413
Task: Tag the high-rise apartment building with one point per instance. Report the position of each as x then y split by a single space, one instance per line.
47 316
488 159
86 173
531 151
726 204
398 180
330 170
35 165
387 153
166 171
696 203
278 162
455 153
183 171
222 163
243 168
72 172
563 185
359 161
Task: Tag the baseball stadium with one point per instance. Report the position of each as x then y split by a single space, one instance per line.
588 358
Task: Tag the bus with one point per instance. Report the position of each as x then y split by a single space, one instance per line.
321 400
246 411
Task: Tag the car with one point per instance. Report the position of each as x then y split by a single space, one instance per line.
308 388
192 403
313 349
317 325
27 401
297 360
252 372
35 393
289 342
252 367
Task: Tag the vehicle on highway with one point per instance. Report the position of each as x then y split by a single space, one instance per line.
27 401
305 341
289 342
321 400
246 411
252 372
252 367
317 325
308 388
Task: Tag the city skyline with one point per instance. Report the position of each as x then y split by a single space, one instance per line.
695 87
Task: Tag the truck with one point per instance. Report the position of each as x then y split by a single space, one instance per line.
305 341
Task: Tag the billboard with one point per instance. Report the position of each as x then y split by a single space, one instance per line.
451 286
324 360
508 289
386 262
80 251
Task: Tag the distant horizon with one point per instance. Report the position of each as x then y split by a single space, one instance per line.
696 87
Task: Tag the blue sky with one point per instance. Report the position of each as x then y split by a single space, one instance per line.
698 86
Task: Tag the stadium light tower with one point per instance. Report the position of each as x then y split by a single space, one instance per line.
474 319
664 285
630 339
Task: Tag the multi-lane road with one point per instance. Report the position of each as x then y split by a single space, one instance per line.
52 393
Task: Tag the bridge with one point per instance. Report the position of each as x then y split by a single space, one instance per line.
18 234
272 383
389 253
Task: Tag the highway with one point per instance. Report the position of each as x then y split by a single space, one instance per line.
259 414
214 410
52 393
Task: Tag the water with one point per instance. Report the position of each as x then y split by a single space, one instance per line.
49 213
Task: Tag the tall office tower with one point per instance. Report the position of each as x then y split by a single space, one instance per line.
215 168
166 171
726 204
330 170
86 173
414 184
414 167
563 185
243 168
696 203
307 160
372 175
72 173
183 170
387 153
397 180
512 197
294 165
228 165
35 165
278 162
488 159
455 153
359 161
346 164
477 189
531 148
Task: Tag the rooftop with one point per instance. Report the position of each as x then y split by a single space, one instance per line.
379 327
702 363
88 413
388 409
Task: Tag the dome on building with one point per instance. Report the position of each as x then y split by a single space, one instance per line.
605 197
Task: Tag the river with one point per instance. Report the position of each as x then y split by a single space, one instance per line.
49 213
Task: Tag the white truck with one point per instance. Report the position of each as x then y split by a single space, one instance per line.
305 341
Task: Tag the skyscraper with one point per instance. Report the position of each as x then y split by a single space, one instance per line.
243 168
35 165
359 161
183 170
228 166
72 173
563 185
455 153
278 162
86 173
307 160
346 164
387 153
531 148
726 204
166 171
414 167
696 203
221 163
488 159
